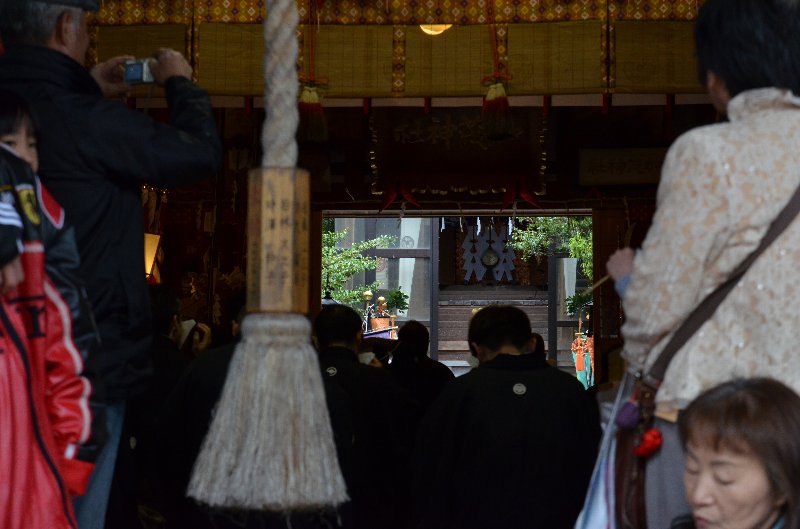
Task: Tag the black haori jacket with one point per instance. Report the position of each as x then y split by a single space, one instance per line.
95 154
510 445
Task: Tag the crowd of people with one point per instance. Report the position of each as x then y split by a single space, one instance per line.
412 441
99 399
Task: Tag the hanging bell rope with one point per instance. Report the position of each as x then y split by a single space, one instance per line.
270 443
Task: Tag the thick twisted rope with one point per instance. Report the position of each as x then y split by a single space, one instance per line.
280 85
270 445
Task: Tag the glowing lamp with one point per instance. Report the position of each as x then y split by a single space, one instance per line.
434 29
151 242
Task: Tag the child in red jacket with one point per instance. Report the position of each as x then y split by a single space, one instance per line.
44 399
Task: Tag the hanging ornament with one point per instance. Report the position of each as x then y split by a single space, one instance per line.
398 189
505 266
521 190
312 126
650 444
474 246
540 185
375 188
496 114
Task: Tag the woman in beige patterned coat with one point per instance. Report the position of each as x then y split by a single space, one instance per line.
721 186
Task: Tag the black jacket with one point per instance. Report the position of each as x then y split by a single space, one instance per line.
183 423
422 376
383 417
94 156
509 445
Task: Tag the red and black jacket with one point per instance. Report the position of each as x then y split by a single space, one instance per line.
44 399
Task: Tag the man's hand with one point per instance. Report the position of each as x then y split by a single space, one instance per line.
169 63
11 275
201 338
110 76
620 264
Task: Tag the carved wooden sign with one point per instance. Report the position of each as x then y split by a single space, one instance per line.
621 166
277 248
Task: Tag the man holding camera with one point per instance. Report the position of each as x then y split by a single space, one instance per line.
94 156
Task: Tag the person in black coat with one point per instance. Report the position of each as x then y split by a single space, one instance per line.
95 155
138 444
413 369
383 418
183 423
509 445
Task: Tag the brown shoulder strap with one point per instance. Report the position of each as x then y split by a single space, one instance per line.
707 307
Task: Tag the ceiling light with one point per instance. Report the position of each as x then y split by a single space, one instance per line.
435 29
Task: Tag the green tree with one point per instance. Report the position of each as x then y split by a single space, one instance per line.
572 235
339 265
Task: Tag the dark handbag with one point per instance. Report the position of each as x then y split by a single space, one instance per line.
636 438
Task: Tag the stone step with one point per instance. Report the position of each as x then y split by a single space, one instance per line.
481 300
452 319
459 343
471 302
531 296
452 345
457 361
467 310
461 334
469 306
490 292
458 326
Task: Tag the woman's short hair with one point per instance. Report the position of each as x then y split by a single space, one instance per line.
758 416
749 43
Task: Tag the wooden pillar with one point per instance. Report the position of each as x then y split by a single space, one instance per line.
610 226
315 264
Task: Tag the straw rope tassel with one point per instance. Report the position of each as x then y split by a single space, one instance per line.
270 443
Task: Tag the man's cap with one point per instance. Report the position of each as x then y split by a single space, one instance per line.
86 5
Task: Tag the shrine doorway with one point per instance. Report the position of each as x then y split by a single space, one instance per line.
451 266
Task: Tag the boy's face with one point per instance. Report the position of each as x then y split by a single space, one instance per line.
24 144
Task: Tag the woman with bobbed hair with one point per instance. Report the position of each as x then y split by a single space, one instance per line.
742 470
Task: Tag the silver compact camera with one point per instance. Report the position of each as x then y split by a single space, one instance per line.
137 71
